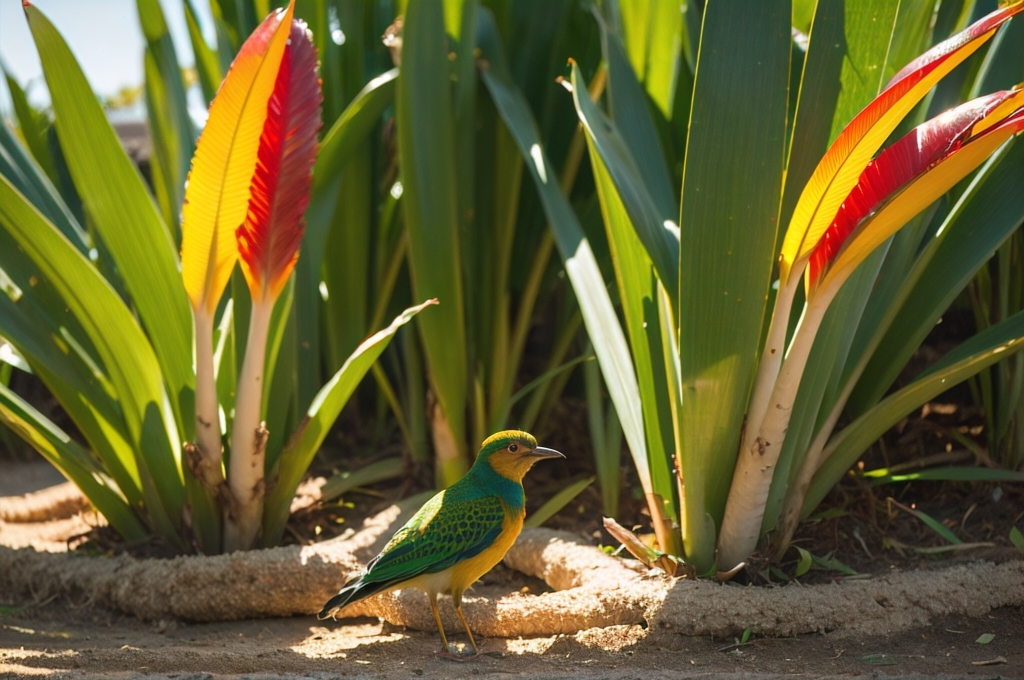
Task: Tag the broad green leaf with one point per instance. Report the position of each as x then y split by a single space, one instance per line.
653 36
580 265
982 350
638 294
1017 538
732 184
425 122
72 460
555 504
124 214
322 413
121 345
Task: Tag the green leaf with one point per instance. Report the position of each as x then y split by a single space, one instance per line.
426 145
931 523
72 460
27 178
169 124
123 213
580 265
982 350
653 34
985 638
732 185
374 473
945 474
322 413
121 345
653 222
638 293
207 64
33 124
1017 538
554 504
804 565
338 146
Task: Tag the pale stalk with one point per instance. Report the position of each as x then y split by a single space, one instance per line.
206 461
244 513
755 466
771 357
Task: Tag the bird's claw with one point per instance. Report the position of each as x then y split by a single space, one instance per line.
452 655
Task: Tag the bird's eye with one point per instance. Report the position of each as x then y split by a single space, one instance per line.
512 448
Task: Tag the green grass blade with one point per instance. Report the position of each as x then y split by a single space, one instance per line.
555 504
207 63
338 146
72 460
732 185
653 222
27 178
945 474
124 214
374 473
982 350
931 523
321 415
170 127
121 346
638 294
426 144
33 125
598 314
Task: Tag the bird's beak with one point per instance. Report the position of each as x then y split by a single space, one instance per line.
541 452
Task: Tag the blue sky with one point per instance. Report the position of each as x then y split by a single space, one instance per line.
104 35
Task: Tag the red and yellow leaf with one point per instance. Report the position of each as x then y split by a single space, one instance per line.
841 167
910 175
217 193
268 240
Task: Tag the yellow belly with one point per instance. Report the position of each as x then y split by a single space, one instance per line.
465 573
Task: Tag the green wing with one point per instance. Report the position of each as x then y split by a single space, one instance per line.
443 533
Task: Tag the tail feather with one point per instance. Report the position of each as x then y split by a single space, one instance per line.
353 591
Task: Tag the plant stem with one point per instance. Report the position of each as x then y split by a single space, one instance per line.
243 515
755 466
771 357
206 464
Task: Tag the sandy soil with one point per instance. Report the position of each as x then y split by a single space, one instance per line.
84 643
73 638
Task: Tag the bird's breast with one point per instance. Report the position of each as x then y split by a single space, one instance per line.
465 573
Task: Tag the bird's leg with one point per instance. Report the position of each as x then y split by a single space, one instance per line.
445 649
458 610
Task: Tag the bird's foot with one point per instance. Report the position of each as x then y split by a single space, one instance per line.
454 654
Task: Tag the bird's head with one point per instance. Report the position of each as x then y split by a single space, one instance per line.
512 453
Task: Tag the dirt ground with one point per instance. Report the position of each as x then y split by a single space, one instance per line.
56 641
64 639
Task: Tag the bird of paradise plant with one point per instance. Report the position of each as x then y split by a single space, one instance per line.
127 382
730 448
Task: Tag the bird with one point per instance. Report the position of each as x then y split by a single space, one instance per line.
458 535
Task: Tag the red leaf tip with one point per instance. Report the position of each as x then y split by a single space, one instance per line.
26 3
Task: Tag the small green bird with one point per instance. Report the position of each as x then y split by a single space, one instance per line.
458 535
